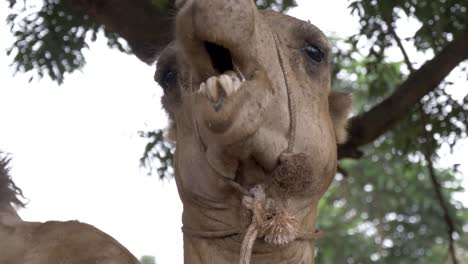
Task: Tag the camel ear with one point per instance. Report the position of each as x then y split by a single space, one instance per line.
340 107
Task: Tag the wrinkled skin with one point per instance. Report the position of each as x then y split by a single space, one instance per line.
239 130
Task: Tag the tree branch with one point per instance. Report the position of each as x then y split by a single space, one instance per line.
391 30
368 126
147 27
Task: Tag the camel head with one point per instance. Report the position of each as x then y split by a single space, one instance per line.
249 100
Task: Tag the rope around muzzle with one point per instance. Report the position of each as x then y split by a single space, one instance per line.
270 221
267 221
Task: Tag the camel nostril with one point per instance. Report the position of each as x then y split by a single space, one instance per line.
220 57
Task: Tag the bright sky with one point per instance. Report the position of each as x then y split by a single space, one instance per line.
76 150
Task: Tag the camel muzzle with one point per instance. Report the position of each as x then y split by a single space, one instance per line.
215 37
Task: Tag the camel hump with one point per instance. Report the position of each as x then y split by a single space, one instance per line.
76 242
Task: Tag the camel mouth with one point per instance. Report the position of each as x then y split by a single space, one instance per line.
222 60
227 78
220 57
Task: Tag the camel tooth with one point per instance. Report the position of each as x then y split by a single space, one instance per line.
212 89
202 89
236 83
226 83
231 74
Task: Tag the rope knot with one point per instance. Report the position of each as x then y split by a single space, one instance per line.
271 220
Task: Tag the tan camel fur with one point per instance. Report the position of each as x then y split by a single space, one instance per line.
256 128
51 242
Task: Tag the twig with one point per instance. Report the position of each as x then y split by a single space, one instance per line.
438 189
428 154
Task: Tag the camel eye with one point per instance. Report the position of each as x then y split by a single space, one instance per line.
314 53
168 80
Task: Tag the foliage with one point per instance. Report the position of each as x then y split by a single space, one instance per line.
446 118
279 5
158 154
440 20
148 260
366 52
367 77
50 39
385 211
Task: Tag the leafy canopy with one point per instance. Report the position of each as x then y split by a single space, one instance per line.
50 38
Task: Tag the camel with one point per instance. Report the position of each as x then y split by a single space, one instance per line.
69 242
255 126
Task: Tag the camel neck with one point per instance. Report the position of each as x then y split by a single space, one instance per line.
199 251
